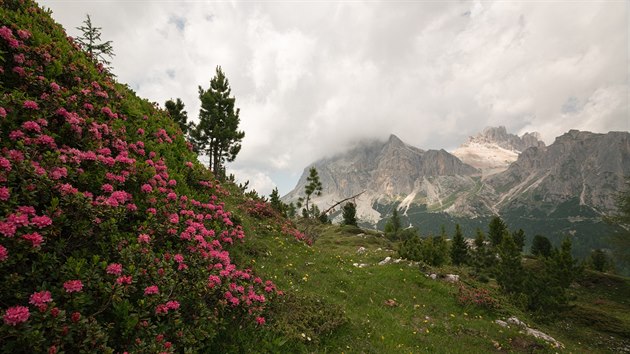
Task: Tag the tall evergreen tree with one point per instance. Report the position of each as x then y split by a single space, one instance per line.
496 231
519 239
350 214
459 249
541 246
217 134
510 274
276 203
393 224
90 42
312 188
176 110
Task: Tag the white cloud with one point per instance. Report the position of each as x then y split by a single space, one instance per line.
312 78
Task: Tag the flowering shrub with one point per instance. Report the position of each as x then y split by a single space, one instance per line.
111 239
469 296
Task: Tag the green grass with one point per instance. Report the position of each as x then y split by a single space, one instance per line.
334 306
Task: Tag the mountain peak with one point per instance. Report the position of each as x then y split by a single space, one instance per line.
393 139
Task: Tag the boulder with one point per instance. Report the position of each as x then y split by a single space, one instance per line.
385 261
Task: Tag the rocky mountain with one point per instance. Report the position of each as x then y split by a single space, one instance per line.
389 171
582 166
494 149
556 190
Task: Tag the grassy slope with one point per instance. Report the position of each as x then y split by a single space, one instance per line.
427 316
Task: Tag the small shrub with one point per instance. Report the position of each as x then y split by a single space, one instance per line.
469 296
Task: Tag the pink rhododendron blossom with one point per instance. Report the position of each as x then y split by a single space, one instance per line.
3 112
35 238
114 268
151 290
161 309
75 317
55 87
68 189
107 188
23 34
40 298
4 254
21 72
4 194
172 305
140 131
32 126
16 315
72 286
5 164
173 218
144 238
146 188
178 258
124 280
41 221
28 104
260 320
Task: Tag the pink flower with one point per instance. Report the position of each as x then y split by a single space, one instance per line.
125 279
41 221
146 188
178 258
3 112
161 309
107 188
24 34
28 104
173 218
4 254
76 316
16 315
140 131
150 290
260 320
189 164
5 164
32 126
40 298
54 86
72 286
4 194
144 238
172 305
171 196
114 268
35 238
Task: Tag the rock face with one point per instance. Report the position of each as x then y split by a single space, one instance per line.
579 165
388 171
494 149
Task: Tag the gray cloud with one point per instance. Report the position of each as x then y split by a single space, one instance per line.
313 78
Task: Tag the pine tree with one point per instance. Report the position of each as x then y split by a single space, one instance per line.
599 260
519 239
459 249
276 203
312 188
392 226
350 214
541 246
217 134
176 110
509 268
496 231
90 42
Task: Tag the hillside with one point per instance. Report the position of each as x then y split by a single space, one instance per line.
114 238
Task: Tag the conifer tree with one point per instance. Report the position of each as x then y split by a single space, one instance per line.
276 203
176 110
496 231
350 214
599 260
312 188
393 225
90 42
510 274
519 239
217 134
541 246
459 249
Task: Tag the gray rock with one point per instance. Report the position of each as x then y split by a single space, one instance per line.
385 261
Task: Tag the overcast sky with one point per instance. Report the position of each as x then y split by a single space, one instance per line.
313 77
